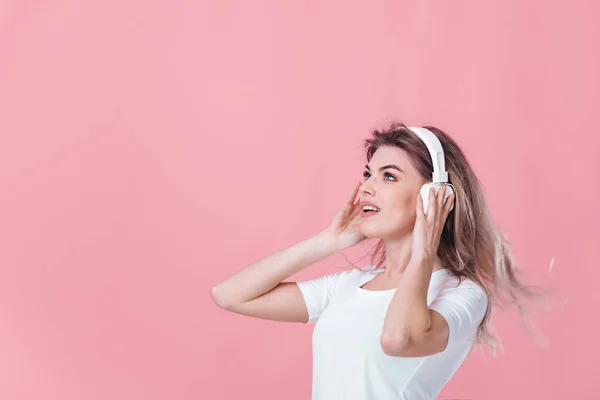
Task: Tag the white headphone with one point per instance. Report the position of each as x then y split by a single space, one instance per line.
439 175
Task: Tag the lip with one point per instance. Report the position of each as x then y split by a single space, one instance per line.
368 214
368 203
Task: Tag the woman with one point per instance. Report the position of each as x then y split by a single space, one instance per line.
401 327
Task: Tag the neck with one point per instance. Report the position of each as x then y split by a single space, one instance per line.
398 253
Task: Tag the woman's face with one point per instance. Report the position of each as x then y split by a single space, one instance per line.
392 184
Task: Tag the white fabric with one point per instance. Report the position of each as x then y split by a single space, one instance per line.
348 361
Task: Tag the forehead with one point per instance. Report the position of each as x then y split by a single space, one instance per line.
391 155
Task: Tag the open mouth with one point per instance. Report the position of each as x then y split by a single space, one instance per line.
370 210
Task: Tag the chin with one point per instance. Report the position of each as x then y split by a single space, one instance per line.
372 230
378 230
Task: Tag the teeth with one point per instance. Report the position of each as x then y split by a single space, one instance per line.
370 208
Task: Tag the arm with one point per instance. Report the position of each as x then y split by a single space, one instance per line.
413 329
410 328
258 291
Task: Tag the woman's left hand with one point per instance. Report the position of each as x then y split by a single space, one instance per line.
428 227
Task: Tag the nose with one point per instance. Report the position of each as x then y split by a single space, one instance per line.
365 189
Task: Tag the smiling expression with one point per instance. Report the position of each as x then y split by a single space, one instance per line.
392 184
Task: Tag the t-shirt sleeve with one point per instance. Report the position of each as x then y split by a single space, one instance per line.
463 307
319 291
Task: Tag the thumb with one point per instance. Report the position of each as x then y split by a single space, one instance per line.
420 211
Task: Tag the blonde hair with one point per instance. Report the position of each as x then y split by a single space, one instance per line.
471 245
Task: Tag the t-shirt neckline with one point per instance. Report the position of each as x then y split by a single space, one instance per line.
387 291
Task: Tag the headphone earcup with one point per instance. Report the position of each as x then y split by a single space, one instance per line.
437 186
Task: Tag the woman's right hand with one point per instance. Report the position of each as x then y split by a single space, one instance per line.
345 228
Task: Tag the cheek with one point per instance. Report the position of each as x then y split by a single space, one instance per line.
403 213
400 215
402 221
404 206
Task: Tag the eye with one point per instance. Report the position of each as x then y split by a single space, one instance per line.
366 174
388 174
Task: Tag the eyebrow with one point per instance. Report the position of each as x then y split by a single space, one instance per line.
386 167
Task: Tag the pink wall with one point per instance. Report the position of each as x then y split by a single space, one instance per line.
142 143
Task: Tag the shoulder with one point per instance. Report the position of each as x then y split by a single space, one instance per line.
369 269
452 283
365 272
463 292
338 278
353 274
463 304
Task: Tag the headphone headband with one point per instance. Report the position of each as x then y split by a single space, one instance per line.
439 175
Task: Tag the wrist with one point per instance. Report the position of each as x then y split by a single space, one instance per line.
329 240
421 258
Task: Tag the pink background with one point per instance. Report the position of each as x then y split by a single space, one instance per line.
150 149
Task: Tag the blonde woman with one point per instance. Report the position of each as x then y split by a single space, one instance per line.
400 327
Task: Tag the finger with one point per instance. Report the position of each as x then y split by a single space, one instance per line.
444 199
446 210
420 211
356 212
448 203
355 217
354 193
441 196
431 209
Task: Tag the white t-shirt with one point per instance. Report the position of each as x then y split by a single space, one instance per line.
348 361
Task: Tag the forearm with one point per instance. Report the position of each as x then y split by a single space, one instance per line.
263 275
408 315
